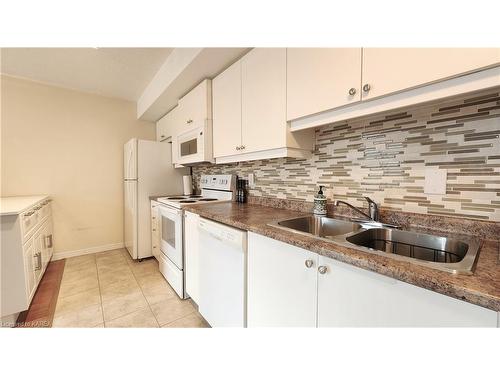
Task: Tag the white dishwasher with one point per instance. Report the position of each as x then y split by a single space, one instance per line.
222 274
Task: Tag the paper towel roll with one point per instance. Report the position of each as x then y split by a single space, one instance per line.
187 183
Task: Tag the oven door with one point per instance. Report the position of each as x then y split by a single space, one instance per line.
190 147
171 234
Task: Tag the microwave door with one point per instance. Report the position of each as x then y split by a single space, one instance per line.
189 147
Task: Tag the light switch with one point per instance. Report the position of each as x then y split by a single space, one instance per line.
435 181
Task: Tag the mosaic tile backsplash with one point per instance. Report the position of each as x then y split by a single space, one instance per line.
385 157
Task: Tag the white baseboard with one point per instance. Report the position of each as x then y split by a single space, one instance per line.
90 250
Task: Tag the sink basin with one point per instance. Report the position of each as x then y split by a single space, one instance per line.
413 245
319 226
455 253
445 253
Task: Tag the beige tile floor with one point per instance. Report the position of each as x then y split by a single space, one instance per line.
109 289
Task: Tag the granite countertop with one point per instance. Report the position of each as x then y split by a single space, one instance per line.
16 205
482 288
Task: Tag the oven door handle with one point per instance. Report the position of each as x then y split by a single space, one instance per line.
170 213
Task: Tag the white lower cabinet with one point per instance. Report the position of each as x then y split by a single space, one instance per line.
155 230
27 246
349 296
281 289
284 291
191 255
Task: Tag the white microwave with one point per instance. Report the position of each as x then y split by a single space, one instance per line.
194 145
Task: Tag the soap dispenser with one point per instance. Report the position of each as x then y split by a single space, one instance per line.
320 202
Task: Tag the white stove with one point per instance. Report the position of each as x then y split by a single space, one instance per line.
214 188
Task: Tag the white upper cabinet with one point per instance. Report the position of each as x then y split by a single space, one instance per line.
326 85
249 100
227 111
196 106
388 70
165 127
319 79
263 77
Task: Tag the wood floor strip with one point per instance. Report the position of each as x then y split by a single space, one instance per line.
41 311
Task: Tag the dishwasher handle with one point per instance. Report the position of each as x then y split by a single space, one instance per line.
223 233
210 229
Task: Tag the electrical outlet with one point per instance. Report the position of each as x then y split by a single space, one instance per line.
251 180
435 181
329 194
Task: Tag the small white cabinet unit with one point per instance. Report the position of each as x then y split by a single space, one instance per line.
321 78
191 254
289 286
166 126
195 108
389 70
282 284
249 100
27 247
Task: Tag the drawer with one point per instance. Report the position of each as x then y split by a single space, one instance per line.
173 275
45 209
29 220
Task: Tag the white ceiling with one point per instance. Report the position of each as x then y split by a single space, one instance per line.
116 72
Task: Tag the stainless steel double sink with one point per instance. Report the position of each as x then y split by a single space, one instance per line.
455 254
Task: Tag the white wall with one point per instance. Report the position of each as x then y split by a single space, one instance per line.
68 144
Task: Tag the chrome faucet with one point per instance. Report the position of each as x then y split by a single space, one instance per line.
372 214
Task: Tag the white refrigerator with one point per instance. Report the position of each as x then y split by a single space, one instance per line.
148 170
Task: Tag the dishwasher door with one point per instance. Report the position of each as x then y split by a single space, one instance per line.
222 274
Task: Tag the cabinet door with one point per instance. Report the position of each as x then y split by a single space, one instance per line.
352 297
44 245
389 70
49 232
226 96
155 231
196 106
38 250
319 79
30 262
191 254
281 289
263 98
167 126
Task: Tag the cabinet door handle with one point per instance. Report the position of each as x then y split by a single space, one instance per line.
238 148
366 88
352 91
309 263
29 213
39 261
242 147
322 269
48 241
189 121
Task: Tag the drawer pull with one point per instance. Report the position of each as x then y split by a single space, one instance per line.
39 261
29 213
48 241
